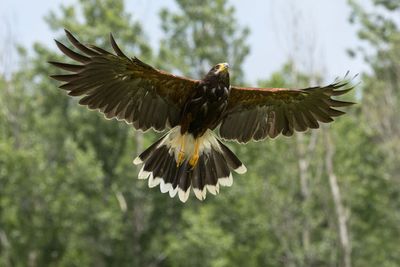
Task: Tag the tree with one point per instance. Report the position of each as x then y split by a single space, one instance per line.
196 38
106 219
376 224
75 213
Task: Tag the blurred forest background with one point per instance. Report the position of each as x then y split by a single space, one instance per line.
69 194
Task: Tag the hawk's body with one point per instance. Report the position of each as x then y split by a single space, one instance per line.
204 109
190 155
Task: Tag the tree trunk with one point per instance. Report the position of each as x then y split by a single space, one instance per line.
304 152
338 203
137 209
303 164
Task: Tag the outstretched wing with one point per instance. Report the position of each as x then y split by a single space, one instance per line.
123 88
256 113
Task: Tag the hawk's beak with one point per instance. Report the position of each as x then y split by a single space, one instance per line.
223 67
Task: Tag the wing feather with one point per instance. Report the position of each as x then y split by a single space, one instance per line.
121 87
257 113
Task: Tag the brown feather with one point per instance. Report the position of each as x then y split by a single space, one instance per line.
289 110
80 46
118 85
72 54
67 67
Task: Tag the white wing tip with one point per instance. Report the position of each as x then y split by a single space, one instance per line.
241 169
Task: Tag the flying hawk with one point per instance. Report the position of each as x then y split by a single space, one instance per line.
190 155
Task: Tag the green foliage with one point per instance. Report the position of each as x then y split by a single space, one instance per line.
78 218
207 31
202 241
376 213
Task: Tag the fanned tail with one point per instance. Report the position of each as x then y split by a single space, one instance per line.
163 166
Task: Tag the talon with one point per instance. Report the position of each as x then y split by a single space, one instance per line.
181 158
195 156
181 154
193 160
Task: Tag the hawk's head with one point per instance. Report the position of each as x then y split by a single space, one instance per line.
219 72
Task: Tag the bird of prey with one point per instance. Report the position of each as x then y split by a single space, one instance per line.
190 155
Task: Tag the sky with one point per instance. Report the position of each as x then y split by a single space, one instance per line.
314 33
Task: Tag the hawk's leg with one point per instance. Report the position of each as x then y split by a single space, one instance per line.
181 154
195 156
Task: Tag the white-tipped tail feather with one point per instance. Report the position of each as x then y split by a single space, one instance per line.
200 194
212 169
184 195
143 174
137 161
153 182
242 169
226 181
213 189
